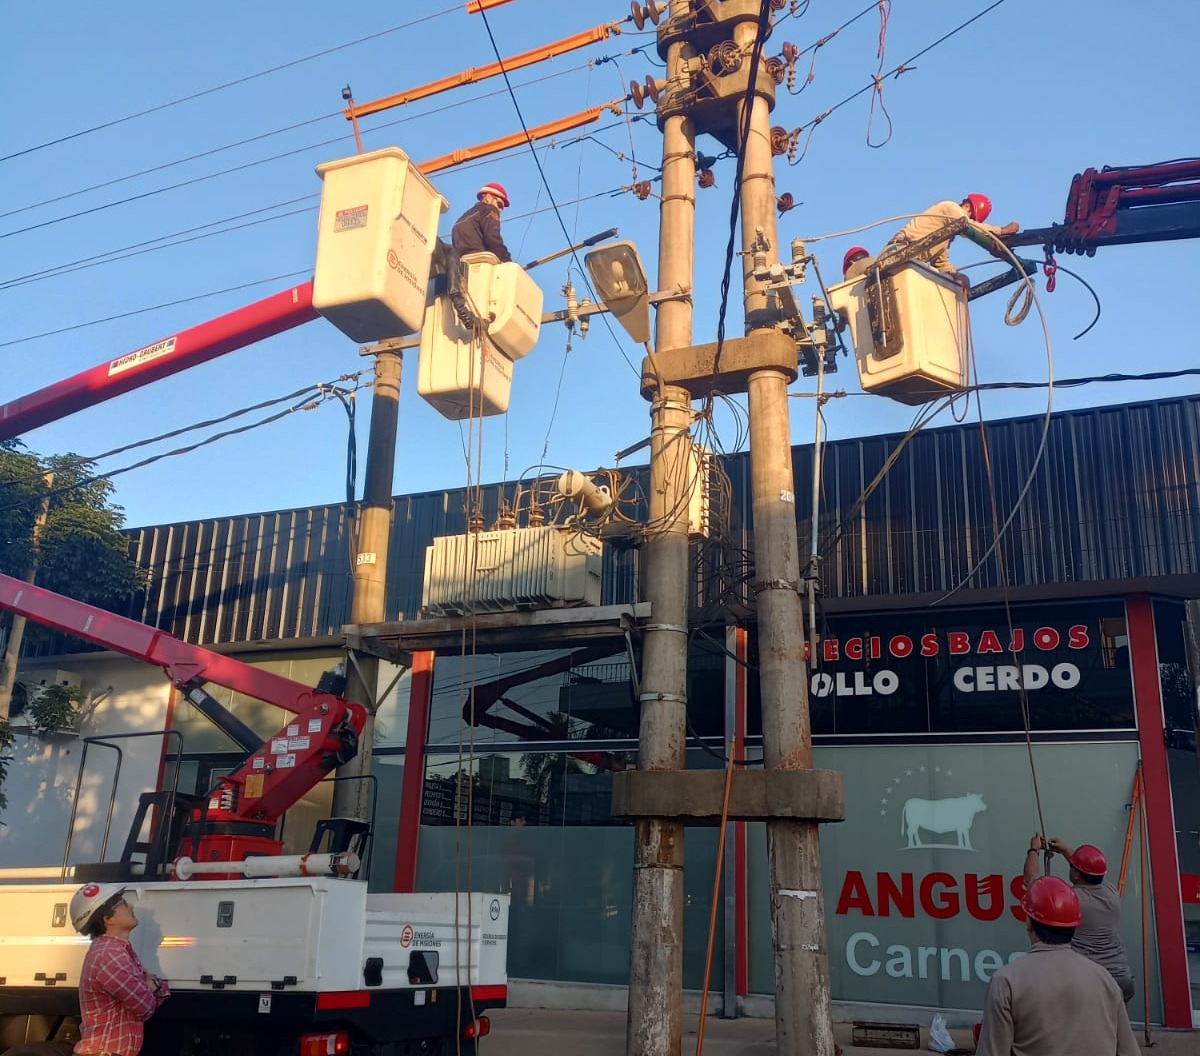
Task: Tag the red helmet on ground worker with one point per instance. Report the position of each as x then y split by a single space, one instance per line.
981 207
852 254
494 189
1089 860
1052 902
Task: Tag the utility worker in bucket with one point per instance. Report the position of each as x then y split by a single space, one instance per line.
975 207
856 262
1052 1001
1099 936
116 994
478 229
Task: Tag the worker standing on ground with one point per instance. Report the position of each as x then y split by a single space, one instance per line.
1052 1001
116 994
975 207
478 229
1099 936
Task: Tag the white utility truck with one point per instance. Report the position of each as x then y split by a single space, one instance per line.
266 953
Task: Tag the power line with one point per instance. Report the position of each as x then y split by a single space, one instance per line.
155 308
550 193
228 84
899 68
122 252
254 163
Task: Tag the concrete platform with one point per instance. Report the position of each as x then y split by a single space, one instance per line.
546 1032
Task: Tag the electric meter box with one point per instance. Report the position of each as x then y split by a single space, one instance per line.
459 376
375 239
509 297
911 332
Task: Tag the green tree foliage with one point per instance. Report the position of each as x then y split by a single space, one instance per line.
80 550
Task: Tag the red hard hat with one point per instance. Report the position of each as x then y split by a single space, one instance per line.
1052 901
981 207
852 254
1089 860
496 189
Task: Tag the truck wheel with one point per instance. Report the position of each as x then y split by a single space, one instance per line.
42 1048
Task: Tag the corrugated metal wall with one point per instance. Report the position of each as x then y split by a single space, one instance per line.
1116 497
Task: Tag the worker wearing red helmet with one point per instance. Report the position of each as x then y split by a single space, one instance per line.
1052 1001
974 207
856 262
1099 936
478 229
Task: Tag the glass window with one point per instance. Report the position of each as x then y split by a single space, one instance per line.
963 671
542 834
547 695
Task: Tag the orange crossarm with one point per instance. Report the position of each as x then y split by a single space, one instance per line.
584 117
482 73
475 6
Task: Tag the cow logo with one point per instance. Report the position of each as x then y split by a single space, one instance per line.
950 817
940 816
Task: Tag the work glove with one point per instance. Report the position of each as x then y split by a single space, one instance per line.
1010 228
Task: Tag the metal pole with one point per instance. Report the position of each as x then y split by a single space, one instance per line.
655 1019
803 1019
351 798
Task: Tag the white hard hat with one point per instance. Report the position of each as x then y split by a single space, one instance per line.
90 898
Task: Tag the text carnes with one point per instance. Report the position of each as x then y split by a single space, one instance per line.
937 895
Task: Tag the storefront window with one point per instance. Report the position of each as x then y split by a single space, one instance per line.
922 879
947 671
1181 725
542 833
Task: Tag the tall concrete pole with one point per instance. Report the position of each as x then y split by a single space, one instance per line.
352 799
803 1019
655 1023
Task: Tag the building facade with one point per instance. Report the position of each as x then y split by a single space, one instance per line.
967 708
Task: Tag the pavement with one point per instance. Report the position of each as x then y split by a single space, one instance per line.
550 1032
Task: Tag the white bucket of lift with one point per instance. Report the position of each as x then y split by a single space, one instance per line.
458 376
375 239
509 298
923 351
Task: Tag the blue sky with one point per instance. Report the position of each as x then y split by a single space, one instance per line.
1012 106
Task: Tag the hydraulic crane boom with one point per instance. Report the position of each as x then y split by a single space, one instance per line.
188 348
245 806
1123 205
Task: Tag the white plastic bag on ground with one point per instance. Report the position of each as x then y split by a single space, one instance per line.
939 1036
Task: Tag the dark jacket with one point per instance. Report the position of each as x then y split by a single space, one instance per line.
478 231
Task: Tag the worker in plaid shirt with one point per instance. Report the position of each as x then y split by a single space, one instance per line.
116 994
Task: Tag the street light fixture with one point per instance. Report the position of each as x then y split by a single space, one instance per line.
620 281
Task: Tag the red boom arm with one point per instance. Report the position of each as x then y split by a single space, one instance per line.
278 772
188 348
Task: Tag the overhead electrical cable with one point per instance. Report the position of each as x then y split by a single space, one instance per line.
550 193
287 154
228 84
290 128
155 307
899 68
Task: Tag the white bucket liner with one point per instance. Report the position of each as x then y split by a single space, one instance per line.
375 239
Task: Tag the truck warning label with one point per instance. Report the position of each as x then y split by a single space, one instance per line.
142 355
348 219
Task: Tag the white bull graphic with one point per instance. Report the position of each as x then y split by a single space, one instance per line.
941 815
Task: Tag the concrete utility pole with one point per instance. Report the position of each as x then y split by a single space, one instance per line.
352 799
655 1023
803 1018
